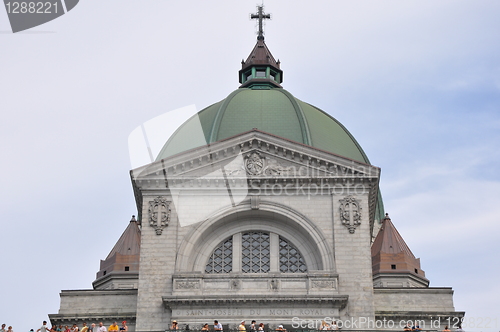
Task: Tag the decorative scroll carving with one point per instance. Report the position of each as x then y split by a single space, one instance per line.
159 214
273 168
254 163
187 285
323 284
350 213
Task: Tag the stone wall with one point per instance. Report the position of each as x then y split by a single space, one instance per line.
94 306
414 299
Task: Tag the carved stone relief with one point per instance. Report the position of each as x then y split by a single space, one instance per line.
254 163
235 284
274 284
187 285
323 284
350 213
273 168
159 214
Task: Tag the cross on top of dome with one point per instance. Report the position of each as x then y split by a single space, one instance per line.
261 16
260 70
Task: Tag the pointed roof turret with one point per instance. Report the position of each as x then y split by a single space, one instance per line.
392 260
389 240
260 70
120 269
130 241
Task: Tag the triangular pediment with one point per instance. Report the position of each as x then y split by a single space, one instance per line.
256 154
254 161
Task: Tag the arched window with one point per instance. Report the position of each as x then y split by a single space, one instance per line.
221 260
256 252
291 261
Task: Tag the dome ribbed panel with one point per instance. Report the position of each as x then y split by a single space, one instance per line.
327 134
182 139
273 111
267 110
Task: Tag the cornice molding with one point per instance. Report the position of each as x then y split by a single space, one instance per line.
336 301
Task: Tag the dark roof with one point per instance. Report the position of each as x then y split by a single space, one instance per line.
389 240
130 241
260 55
391 254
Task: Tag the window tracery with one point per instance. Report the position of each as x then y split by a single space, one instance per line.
221 260
291 261
257 248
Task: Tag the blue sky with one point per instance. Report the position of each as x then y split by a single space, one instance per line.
416 82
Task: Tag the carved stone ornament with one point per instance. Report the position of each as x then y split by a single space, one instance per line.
159 214
235 284
323 284
187 285
274 284
273 168
254 164
350 213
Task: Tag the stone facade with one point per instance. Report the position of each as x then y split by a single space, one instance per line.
432 307
291 197
274 226
286 190
93 306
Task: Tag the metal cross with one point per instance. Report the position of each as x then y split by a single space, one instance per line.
261 16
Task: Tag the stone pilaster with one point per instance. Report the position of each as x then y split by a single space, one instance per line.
156 268
353 262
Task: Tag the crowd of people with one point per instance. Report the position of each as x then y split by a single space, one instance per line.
253 326
9 329
218 326
175 326
74 328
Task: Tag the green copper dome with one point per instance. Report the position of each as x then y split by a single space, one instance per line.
272 110
261 103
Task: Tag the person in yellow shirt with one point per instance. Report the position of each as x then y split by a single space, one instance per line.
85 328
113 327
242 326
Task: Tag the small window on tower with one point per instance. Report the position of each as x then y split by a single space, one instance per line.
127 268
416 271
260 74
104 273
393 266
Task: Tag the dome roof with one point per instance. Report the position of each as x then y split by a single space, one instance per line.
271 110
261 103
